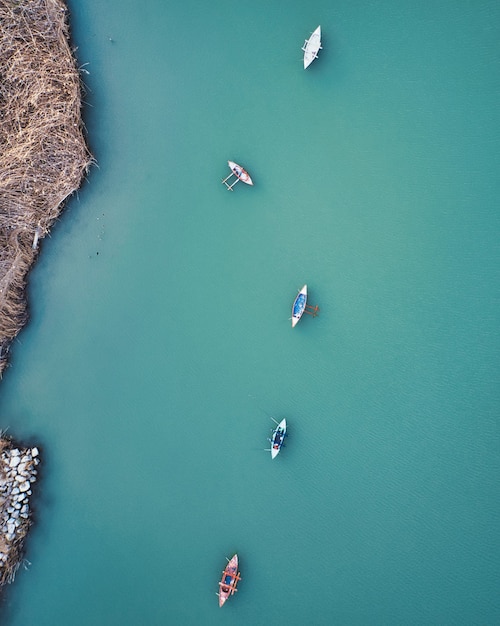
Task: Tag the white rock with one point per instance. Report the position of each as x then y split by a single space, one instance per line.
21 468
15 490
10 528
14 461
25 487
34 452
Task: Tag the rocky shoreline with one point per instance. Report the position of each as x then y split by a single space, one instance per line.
18 473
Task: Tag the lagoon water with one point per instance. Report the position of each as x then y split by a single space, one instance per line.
160 344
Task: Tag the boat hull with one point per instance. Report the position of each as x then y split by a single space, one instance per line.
240 173
278 437
311 47
229 580
299 305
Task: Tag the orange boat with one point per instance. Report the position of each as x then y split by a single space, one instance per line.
229 580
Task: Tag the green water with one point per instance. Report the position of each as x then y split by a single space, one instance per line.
160 343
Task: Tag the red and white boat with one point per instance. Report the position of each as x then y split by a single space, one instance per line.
229 580
239 173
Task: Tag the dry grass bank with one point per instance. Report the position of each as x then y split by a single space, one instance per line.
43 153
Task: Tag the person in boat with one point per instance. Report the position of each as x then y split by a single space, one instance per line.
278 438
227 583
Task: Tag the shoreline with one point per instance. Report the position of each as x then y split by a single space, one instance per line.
43 160
43 153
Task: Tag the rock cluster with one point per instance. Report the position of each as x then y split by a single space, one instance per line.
18 472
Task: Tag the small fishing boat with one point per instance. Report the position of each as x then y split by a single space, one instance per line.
299 305
311 47
239 173
229 580
279 434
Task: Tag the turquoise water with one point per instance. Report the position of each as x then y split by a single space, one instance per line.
160 344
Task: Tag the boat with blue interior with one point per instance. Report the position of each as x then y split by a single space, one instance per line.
299 305
229 580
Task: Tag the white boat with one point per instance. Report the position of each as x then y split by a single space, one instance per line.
239 173
311 47
299 305
279 434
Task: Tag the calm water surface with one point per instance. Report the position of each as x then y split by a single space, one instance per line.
160 342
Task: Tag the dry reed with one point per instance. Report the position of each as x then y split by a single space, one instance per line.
43 154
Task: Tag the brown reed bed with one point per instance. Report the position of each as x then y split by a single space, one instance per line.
43 153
